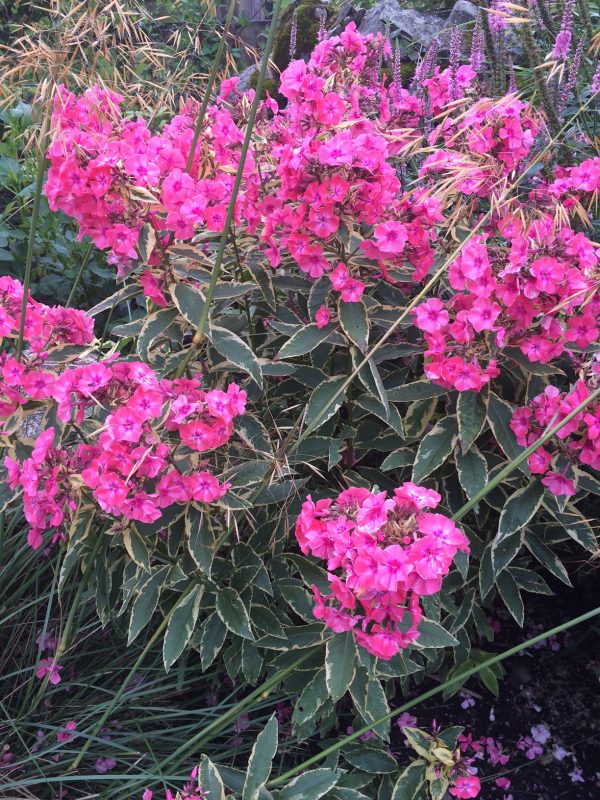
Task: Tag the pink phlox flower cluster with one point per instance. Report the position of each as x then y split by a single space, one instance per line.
45 327
481 147
382 554
66 733
571 185
323 161
50 669
466 786
130 470
535 290
112 174
578 440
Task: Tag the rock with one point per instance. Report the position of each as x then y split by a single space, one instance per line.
416 26
462 13
244 78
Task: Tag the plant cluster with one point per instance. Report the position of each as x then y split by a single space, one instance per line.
370 315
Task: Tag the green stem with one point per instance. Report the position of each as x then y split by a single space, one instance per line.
37 199
84 261
121 690
209 86
506 471
458 679
199 335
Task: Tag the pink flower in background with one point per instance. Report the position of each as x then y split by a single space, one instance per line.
50 669
466 786
66 733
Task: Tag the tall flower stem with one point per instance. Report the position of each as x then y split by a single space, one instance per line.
457 680
35 214
77 281
200 328
210 85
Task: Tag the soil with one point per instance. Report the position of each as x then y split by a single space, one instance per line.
556 685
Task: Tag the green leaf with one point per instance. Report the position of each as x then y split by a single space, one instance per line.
420 741
499 415
530 581
261 758
233 778
397 459
449 736
146 241
153 326
431 634
389 414
145 603
464 612
486 573
339 664
254 433
370 700
213 637
236 351
435 447
233 612
417 417
418 390
181 626
310 785
305 340
278 492
310 701
575 525
355 323
311 572
410 781
472 471
438 787
136 548
262 275
345 793
201 542
518 510
324 402
489 680
369 759
547 558
126 293
210 780
471 412
251 662
509 592
380 390
189 301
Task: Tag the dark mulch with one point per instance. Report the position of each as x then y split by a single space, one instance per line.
556 686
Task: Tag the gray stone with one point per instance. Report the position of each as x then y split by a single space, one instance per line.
244 78
462 13
416 26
